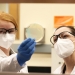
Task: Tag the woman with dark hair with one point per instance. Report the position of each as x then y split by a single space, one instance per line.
63 40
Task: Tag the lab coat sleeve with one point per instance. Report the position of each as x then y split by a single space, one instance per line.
10 64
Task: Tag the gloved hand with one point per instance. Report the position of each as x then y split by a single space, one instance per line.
25 50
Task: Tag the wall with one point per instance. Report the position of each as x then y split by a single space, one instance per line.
4 7
42 14
35 13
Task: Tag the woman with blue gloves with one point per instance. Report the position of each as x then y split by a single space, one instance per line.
9 60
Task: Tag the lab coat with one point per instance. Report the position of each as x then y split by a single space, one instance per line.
10 63
60 69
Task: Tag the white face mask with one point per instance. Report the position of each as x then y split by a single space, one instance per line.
6 40
64 47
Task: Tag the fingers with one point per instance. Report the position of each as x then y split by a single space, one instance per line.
31 48
30 53
25 42
29 44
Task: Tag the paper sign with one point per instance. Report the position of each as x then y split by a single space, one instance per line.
63 20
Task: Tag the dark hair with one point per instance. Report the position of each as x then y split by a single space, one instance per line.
70 27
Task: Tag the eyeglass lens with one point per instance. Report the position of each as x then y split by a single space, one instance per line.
62 35
11 31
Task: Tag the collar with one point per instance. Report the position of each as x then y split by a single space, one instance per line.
62 67
2 54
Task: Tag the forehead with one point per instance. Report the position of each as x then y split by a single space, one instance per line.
6 24
62 29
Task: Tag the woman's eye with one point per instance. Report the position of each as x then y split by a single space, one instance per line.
1 31
10 31
65 36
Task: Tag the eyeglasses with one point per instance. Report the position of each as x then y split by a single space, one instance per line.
62 35
4 31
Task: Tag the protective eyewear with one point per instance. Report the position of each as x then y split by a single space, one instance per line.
4 31
62 35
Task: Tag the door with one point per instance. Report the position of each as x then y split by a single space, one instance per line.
14 11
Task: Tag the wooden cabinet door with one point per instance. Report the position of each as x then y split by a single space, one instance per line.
14 11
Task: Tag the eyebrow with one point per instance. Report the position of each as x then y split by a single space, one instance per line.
64 32
7 29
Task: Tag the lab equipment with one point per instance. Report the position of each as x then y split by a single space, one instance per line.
35 31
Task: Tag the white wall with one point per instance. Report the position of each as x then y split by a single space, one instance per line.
36 13
43 14
4 7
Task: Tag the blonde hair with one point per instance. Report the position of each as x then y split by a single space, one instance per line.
7 17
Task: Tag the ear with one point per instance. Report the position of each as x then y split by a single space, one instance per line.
74 36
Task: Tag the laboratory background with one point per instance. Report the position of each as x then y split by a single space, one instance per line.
37 20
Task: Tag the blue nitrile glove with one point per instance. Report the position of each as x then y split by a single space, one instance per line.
25 50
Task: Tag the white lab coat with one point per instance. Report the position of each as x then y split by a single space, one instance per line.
60 69
10 63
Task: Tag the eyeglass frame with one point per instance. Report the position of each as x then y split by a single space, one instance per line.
59 35
7 30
